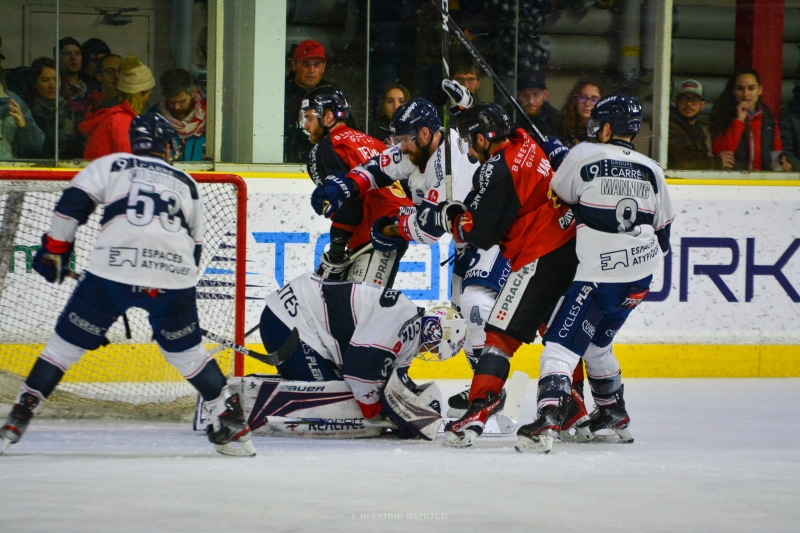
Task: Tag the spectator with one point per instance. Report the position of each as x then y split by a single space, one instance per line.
532 96
688 142
577 111
93 51
40 95
308 66
393 97
185 109
790 130
106 93
20 137
71 63
107 129
743 125
12 79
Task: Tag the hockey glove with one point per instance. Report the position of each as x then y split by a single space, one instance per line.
460 97
52 259
332 270
447 213
556 152
332 194
381 242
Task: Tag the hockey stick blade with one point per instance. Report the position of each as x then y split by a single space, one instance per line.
275 358
537 135
509 418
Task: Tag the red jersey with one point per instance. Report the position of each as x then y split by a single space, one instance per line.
511 205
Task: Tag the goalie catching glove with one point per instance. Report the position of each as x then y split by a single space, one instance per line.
417 414
52 259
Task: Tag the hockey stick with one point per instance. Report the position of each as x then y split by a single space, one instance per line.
448 176
537 135
275 358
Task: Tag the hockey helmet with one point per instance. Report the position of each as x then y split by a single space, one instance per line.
622 111
442 333
490 120
326 96
151 134
413 115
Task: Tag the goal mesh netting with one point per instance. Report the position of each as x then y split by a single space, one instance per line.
129 377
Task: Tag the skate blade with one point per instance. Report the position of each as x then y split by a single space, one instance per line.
536 444
625 436
454 441
5 445
245 449
456 413
581 435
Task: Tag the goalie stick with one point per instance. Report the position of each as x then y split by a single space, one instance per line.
275 358
537 135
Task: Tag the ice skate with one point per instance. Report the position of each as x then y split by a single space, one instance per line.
230 427
462 433
18 420
458 404
538 436
614 417
576 422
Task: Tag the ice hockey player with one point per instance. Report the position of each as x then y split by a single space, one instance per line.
146 255
624 211
367 336
418 156
510 205
337 149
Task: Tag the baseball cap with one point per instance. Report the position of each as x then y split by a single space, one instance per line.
533 79
308 49
691 86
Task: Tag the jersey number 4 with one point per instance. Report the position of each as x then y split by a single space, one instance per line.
142 207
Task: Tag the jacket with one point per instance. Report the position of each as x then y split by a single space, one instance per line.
547 120
688 147
15 142
754 151
44 113
107 130
790 136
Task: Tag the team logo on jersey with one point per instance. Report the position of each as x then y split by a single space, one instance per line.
419 193
433 196
397 156
118 256
385 160
610 260
634 299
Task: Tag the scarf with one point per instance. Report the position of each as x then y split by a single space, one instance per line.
192 124
74 92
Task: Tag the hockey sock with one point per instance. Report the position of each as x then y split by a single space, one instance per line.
551 388
209 382
604 389
490 374
503 342
43 378
577 375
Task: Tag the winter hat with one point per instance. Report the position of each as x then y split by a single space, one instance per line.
134 77
533 79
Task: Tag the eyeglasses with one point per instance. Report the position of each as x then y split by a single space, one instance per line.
463 80
583 98
685 98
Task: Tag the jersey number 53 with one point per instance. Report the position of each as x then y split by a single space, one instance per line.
144 204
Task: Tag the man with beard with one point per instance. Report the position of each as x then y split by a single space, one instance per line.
185 109
688 141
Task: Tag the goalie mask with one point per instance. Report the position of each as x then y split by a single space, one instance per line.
442 333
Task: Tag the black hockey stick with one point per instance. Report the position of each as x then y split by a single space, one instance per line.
275 358
537 135
448 177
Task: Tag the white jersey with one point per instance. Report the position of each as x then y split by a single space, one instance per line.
152 223
623 211
364 329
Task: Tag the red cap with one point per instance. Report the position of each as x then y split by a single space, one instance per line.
308 49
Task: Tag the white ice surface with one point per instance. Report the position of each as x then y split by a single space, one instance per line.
710 455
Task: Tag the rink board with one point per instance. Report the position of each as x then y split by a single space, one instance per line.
735 320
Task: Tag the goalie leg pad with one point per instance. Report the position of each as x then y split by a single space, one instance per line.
376 267
419 414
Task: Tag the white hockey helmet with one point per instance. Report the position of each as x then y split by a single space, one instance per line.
442 334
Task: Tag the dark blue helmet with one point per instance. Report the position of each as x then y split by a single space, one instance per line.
415 114
151 134
622 111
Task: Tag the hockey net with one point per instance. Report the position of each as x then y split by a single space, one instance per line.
128 378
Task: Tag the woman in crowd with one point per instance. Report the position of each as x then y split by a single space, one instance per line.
393 97
107 129
577 111
743 125
41 92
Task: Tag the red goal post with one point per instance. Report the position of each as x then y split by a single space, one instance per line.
27 197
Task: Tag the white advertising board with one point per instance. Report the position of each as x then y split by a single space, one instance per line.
733 276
